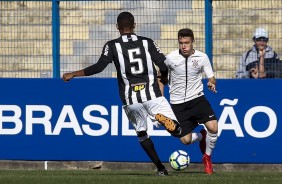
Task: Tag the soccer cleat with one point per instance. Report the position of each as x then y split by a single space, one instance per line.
169 124
162 172
202 143
207 164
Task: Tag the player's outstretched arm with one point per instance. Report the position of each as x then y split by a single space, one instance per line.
68 76
212 84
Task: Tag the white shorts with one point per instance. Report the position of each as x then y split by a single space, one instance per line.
138 113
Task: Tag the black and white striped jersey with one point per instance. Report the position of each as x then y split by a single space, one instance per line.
134 58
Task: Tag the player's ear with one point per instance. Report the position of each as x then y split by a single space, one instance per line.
117 26
134 25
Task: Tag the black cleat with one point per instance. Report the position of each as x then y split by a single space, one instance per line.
162 172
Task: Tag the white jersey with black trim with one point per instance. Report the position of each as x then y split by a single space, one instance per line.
185 75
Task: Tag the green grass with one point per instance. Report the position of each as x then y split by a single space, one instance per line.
134 177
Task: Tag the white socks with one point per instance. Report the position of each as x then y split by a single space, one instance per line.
210 142
196 137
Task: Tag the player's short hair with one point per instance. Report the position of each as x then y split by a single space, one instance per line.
186 32
125 20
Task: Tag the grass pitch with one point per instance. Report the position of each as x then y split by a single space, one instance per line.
134 177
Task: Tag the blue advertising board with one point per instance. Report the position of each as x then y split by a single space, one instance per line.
48 119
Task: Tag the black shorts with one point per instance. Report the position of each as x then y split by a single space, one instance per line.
192 113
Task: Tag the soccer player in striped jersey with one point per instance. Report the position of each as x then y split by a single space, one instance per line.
135 58
187 99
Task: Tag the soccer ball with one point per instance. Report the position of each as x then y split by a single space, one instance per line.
179 160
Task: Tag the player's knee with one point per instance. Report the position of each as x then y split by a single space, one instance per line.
213 127
186 140
213 131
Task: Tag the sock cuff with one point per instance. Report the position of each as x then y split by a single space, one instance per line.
143 138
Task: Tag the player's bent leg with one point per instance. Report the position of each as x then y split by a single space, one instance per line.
172 126
186 139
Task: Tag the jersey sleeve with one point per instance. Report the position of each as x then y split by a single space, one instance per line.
105 58
168 60
156 53
158 57
207 67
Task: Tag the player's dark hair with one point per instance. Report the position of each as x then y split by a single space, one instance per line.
125 20
186 33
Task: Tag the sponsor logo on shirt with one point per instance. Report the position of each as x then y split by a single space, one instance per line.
138 87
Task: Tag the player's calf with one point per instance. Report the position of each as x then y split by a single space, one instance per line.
202 143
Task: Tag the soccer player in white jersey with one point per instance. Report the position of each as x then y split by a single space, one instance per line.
187 99
135 58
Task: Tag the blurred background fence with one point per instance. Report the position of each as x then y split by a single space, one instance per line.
30 40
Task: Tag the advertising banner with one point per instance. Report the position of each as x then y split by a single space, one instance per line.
83 120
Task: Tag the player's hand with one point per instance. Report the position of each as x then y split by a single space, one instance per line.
211 87
67 77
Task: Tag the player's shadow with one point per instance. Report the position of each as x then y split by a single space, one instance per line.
171 173
127 174
186 172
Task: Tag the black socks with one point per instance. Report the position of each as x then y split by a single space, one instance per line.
149 148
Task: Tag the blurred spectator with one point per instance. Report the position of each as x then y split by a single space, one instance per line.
260 61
